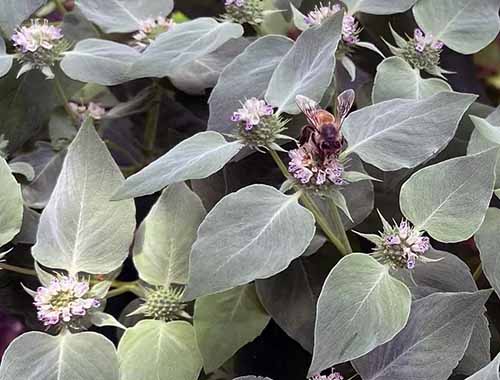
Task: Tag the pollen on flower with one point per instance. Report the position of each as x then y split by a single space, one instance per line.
400 245
423 51
64 300
244 11
350 26
39 46
150 29
310 167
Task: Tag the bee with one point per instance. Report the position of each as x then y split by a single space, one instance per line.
325 129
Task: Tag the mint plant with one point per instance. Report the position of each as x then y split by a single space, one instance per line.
173 187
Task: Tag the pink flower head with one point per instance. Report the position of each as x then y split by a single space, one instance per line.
63 300
308 167
251 113
423 41
39 35
401 245
331 376
350 30
94 110
150 29
237 3
321 13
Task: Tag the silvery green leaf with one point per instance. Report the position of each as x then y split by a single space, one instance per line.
486 129
123 16
5 59
100 290
164 239
489 372
100 61
14 12
378 7
450 274
339 201
194 158
83 356
47 165
465 26
461 191
397 79
483 137
225 322
62 129
158 350
353 177
393 134
487 240
370 46
24 169
182 45
252 70
11 204
307 69
349 66
299 18
100 319
29 228
277 229
78 230
77 27
195 77
354 317
431 344
43 276
400 41
316 243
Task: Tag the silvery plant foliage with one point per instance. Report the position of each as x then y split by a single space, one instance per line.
188 175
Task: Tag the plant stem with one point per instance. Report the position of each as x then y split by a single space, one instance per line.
478 272
20 270
124 288
64 99
152 122
339 226
311 206
353 377
60 6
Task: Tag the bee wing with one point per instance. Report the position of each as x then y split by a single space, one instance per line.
344 104
309 108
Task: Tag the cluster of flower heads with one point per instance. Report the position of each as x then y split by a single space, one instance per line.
350 26
257 122
93 110
162 303
65 300
244 11
311 167
150 29
39 46
331 376
401 245
423 51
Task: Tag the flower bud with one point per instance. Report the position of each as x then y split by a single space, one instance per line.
163 303
423 51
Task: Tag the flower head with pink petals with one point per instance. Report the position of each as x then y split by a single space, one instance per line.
64 300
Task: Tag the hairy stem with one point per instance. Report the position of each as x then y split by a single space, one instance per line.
16 269
339 226
478 272
152 122
125 287
311 206
64 99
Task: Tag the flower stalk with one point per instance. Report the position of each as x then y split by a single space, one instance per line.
311 206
